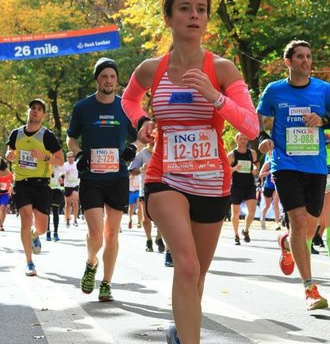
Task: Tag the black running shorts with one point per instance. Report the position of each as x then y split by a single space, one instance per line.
202 209
240 193
95 193
298 189
39 196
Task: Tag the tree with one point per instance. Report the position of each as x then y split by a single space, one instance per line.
60 81
253 25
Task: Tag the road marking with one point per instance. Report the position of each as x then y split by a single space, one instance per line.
62 319
249 325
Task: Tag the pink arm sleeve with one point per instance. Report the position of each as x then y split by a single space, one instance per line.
131 100
239 110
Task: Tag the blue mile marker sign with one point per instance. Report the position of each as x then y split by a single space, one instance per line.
38 46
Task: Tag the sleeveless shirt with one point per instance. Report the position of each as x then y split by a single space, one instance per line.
198 114
242 179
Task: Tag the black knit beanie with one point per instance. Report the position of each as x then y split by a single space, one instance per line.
102 63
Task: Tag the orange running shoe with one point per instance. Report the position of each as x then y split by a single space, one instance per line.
286 259
313 299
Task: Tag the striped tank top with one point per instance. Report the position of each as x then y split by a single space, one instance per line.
194 114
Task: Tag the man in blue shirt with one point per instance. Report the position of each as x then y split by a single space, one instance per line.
298 162
106 133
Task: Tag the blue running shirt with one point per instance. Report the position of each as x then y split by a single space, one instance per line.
287 104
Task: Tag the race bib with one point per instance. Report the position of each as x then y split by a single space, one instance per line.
104 160
245 166
72 180
192 153
327 189
302 141
3 186
26 160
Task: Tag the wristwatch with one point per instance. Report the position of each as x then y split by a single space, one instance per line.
325 121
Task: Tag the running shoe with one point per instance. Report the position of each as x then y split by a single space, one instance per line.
56 237
313 299
75 223
286 259
130 225
105 292
161 247
149 247
172 336
237 241
30 270
87 282
36 243
278 227
321 241
168 259
67 223
139 225
313 250
2 229
263 224
246 236
316 239
48 237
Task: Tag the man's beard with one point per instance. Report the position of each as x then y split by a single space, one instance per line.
106 91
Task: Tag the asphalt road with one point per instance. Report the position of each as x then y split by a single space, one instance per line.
246 300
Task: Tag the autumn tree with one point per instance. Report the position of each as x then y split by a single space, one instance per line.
259 31
61 81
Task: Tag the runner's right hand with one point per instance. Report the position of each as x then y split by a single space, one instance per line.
82 163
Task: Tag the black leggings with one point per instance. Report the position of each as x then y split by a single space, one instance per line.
56 218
